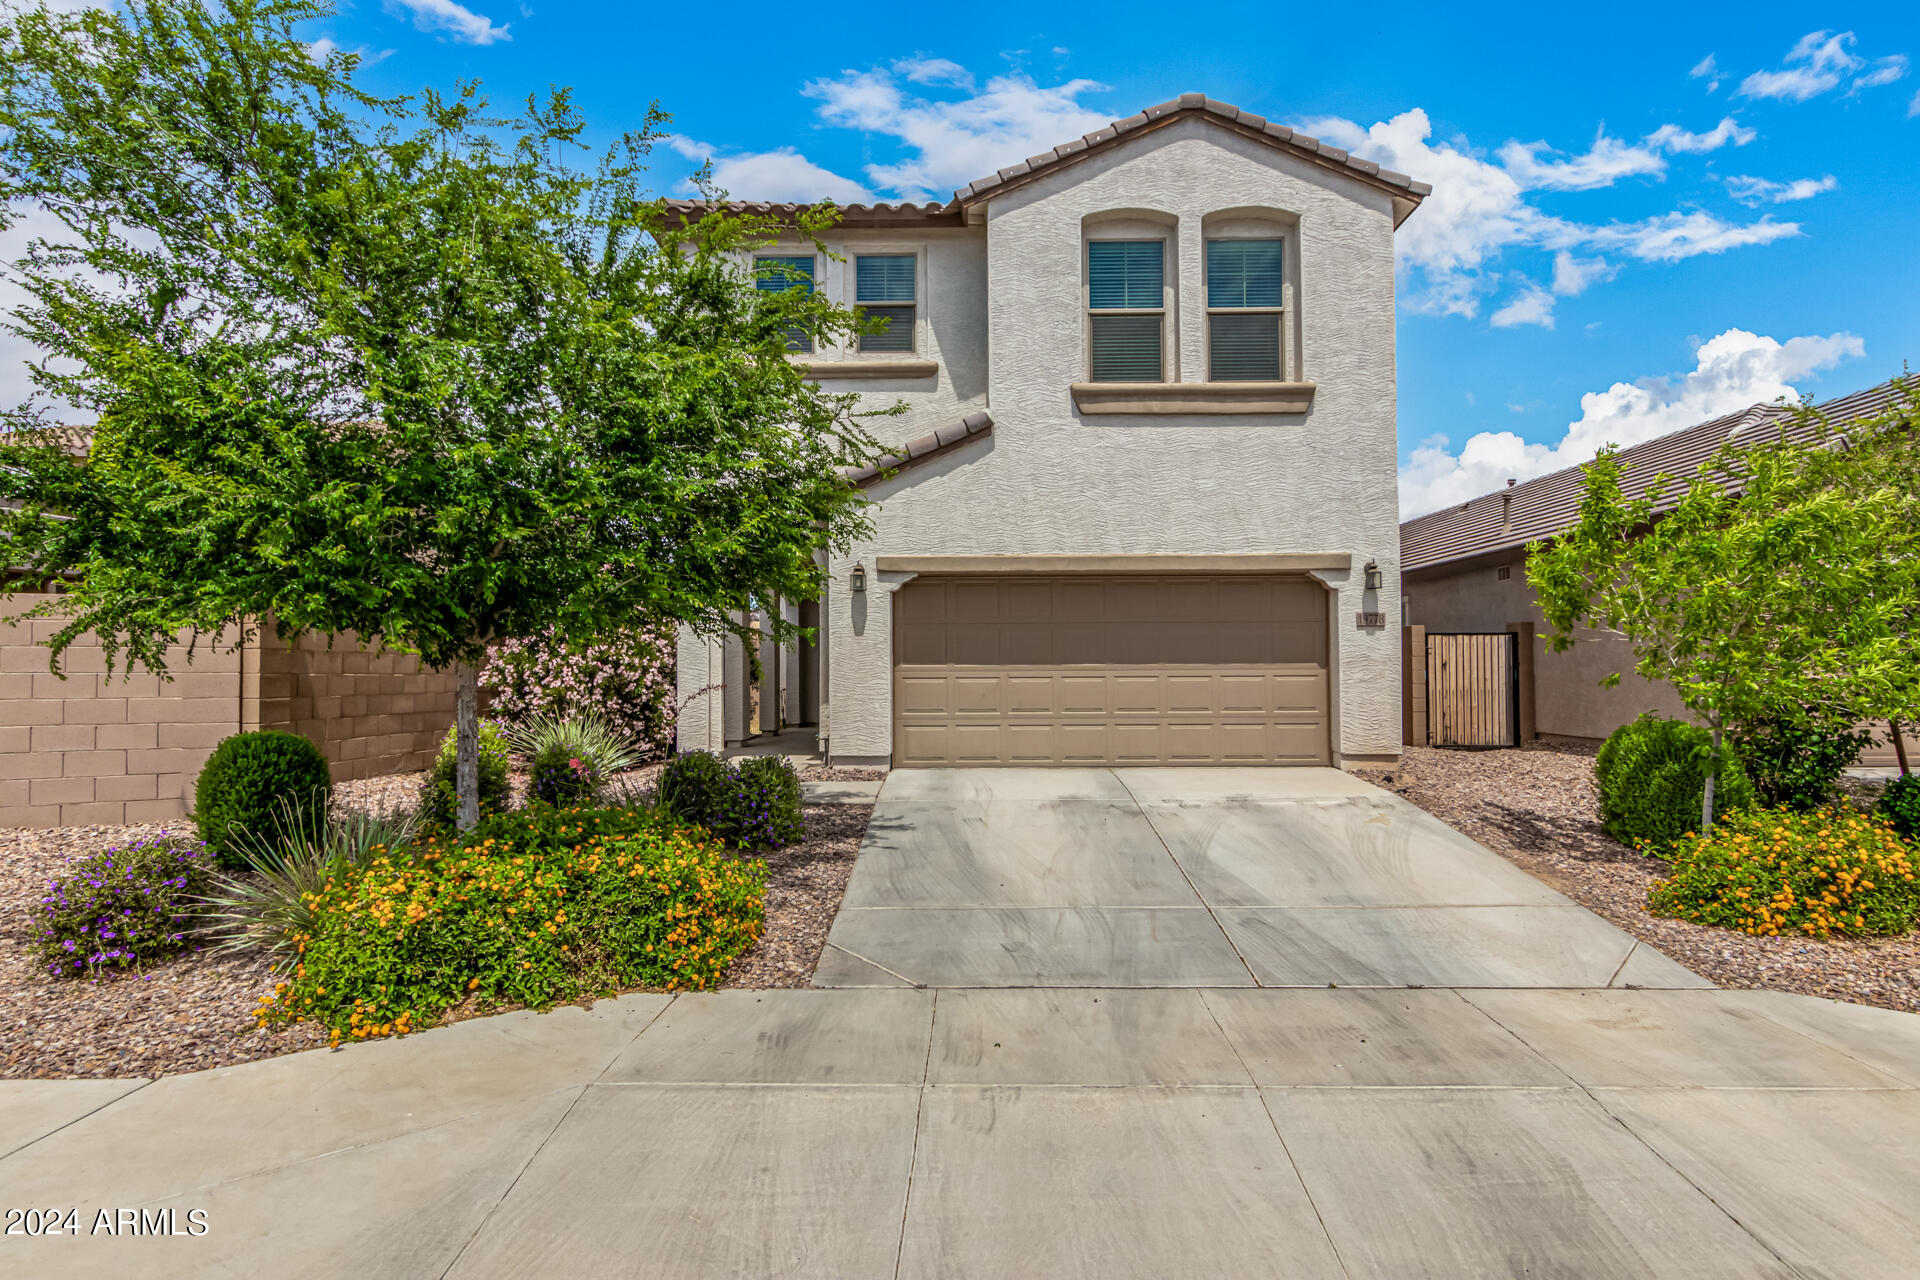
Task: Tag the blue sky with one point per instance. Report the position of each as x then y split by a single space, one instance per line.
1641 220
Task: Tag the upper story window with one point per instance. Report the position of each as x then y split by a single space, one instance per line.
1126 299
884 289
1244 307
774 273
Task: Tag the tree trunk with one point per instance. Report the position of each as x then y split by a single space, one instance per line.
1899 746
1713 775
466 766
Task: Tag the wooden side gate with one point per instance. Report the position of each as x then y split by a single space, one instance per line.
1473 689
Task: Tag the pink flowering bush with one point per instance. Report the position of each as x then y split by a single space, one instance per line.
625 675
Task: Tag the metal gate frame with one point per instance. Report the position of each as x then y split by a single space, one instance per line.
1511 679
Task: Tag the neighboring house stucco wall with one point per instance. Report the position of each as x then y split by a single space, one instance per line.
1569 700
1049 481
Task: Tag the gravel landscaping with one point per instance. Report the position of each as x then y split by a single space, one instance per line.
1538 808
194 1011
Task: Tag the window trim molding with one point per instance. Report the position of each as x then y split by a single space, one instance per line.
1169 398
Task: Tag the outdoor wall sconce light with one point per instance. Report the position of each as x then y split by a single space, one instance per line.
857 580
1372 578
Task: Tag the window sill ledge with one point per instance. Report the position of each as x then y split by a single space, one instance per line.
834 370
1193 397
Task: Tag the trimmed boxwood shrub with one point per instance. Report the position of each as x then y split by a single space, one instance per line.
694 787
529 909
253 778
1773 871
1651 774
440 795
122 906
1899 805
763 808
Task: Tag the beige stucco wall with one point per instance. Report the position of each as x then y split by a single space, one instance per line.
1568 697
1049 481
94 749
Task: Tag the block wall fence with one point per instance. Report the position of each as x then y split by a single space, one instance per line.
99 750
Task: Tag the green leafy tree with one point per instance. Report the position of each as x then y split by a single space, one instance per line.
389 367
1758 586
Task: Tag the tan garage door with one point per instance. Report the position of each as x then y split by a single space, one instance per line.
1187 669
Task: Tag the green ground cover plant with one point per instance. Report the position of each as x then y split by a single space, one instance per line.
1772 871
535 908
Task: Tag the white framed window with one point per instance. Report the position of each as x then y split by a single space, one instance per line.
1126 310
1246 300
777 273
886 287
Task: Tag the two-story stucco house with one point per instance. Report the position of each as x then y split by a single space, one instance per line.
1146 510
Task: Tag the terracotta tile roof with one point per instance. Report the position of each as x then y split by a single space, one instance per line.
1406 191
921 448
1541 507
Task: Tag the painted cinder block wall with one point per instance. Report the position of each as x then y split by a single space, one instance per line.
94 749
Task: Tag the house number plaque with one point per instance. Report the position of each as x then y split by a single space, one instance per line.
1369 619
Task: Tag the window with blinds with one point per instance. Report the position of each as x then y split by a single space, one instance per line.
1126 296
1245 302
776 274
883 289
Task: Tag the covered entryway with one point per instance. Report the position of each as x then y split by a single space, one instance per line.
1143 669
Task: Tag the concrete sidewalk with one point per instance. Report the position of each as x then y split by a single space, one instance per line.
990 1133
1199 878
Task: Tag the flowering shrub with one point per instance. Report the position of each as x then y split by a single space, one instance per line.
533 908
626 675
1768 871
560 778
123 906
762 809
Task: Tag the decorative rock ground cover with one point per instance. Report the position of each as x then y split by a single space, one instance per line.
1537 807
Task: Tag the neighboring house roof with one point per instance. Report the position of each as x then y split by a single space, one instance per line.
1406 192
920 448
1539 508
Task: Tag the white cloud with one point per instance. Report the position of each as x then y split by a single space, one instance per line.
952 142
1479 209
1754 191
1672 138
935 71
1885 71
1731 371
1532 305
1572 275
1913 108
1605 163
326 46
1706 69
778 175
456 22
1818 63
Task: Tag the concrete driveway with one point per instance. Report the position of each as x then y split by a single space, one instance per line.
1199 878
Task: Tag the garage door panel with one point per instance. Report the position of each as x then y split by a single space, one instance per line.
1197 669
